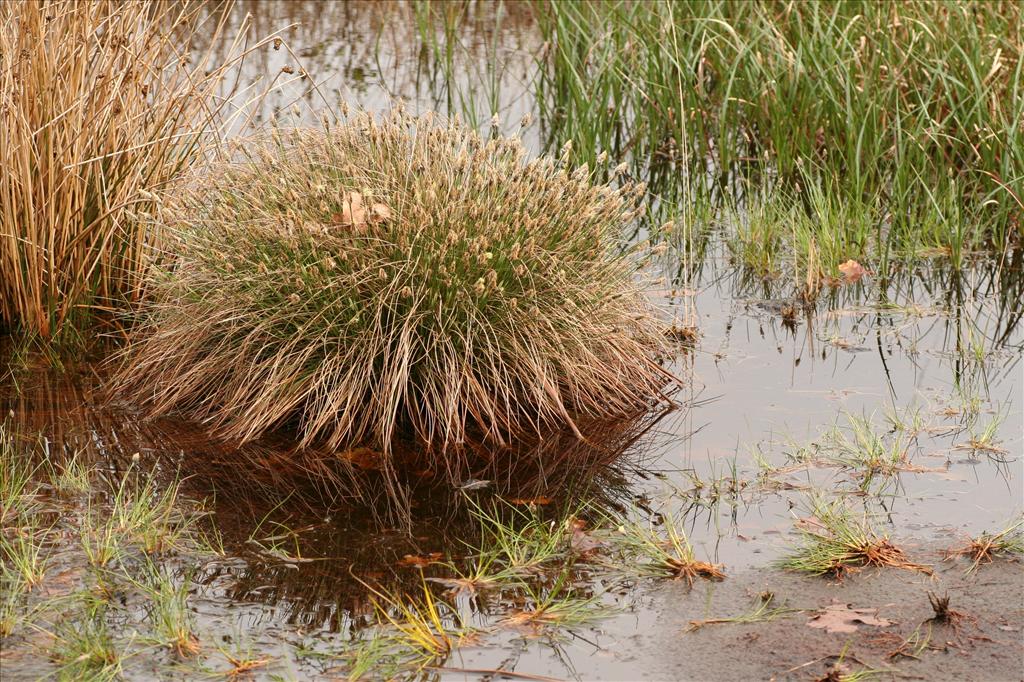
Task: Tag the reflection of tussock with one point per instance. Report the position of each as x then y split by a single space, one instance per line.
348 545
561 462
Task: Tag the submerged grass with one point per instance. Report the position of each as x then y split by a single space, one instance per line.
85 650
764 610
142 515
518 541
17 490
24 555
424 629
169 614
557 606
397 277
102 600
837 541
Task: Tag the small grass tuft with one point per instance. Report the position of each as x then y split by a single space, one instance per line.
836 541
664 551
983 549
424 627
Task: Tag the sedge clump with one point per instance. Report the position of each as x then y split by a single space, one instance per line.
394 278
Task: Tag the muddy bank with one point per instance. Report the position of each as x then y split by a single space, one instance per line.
985 644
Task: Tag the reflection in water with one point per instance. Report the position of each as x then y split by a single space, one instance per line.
330 542
471 59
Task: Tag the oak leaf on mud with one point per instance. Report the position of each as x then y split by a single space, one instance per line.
843 618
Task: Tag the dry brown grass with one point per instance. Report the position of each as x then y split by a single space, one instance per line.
101 103
391 277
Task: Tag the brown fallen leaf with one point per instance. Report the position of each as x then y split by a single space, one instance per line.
362 458
852 271
838 617
420 561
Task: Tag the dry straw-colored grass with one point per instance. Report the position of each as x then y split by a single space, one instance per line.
391 277
101 103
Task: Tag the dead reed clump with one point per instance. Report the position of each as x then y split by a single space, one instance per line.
99 107
396 277
943 613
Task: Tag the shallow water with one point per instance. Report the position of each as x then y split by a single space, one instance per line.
764 385
757 384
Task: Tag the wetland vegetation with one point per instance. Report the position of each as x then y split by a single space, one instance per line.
511 340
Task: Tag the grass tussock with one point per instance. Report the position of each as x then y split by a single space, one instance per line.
836 541
391 277
101 104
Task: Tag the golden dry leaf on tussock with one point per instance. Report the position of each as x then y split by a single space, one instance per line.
838 617
354 211
852 271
